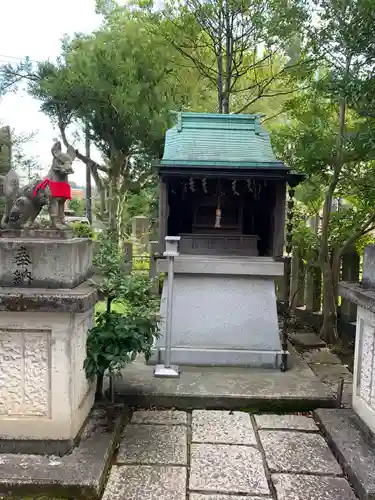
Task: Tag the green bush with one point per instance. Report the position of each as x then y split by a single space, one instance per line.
141 262
120 333
82 230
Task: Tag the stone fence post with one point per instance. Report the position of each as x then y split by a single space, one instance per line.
127 250
140 230
313 291
350 272
297 286
153 274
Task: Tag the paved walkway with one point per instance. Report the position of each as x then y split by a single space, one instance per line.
218 455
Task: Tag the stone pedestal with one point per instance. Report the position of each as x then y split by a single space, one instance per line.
223 312
364 356
364 367
44 258
45 397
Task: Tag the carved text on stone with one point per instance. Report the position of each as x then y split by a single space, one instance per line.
22 275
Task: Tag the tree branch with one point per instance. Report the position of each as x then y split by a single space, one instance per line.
80 156
365 228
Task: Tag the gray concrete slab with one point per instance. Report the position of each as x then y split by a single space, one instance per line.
227 469
200 496
153 444
300 487
224 388
164 417
353 446
306 340
222 427
322 355
79 475
331 373
347 395
291 451
141 482
287 422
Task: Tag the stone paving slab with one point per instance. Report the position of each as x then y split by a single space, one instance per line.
153 444
165 417
300 487
227 469
287 422
141 482
290 451
222 427
200 496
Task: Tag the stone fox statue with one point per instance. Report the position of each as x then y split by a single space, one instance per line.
24 205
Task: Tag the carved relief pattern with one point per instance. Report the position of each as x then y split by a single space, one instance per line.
372 396
24 373
80 383
37 374
367 363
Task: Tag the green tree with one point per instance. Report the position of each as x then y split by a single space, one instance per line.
28 167
129 324
245 50
308 142
342 38
77 206
120 84
142 203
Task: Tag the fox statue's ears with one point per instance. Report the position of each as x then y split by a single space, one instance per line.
57 150
71 152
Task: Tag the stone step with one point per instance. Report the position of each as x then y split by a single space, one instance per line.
230 388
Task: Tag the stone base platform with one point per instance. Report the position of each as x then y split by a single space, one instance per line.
80 475
44 394
225 387
44 259
224 312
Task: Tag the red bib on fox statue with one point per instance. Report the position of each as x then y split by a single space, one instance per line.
58 189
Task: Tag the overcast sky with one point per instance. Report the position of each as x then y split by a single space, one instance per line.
34 29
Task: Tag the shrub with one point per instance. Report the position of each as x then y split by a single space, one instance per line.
120 333
82 230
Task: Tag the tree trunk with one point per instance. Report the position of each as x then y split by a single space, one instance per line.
219 59
113 205
101 189
228 56
329 331
99 387
329 327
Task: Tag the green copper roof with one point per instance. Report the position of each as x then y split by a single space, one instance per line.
218 140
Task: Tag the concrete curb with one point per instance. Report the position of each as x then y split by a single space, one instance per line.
353 447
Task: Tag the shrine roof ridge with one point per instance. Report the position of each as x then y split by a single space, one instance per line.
236 141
